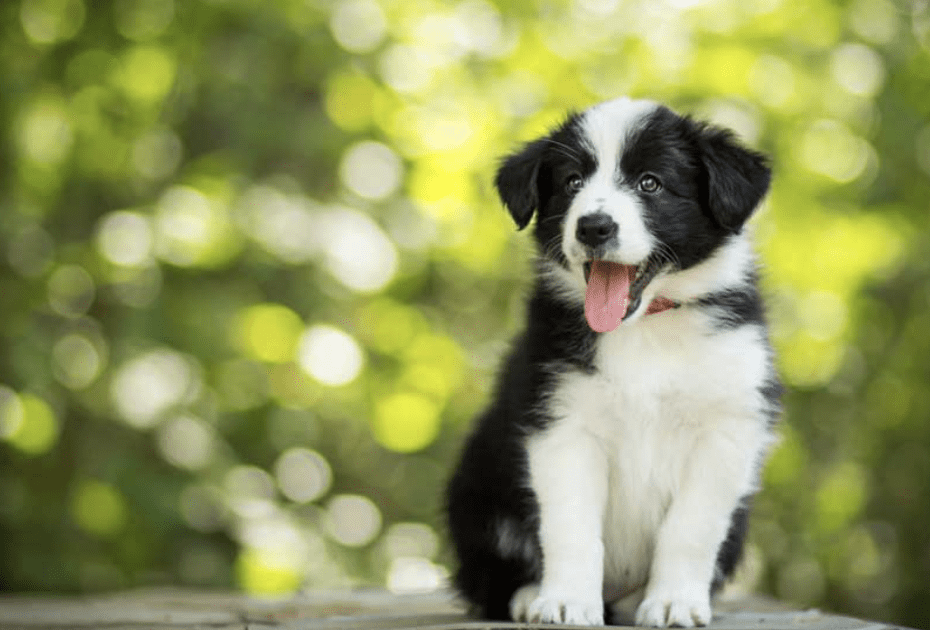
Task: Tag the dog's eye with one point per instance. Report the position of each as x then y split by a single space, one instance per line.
573 183
649 184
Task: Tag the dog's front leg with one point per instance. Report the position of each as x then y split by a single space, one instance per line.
568 473
718 474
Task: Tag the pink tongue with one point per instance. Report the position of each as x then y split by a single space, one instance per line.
608 295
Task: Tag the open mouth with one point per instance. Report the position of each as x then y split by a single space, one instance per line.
615 291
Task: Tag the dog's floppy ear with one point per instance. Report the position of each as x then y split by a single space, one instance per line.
737 178
517 182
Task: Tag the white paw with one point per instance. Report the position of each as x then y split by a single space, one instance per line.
556 609
521 600
681 610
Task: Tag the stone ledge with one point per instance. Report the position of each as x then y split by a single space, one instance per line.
174 609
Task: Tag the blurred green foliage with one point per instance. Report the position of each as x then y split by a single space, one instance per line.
255 281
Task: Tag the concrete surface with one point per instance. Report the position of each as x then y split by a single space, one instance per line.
173 609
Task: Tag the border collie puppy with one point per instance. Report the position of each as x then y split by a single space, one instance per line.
632 416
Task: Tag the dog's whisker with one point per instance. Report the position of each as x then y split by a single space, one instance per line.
568 155
553 246
667 254
566 150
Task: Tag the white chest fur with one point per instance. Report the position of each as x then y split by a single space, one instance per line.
662 388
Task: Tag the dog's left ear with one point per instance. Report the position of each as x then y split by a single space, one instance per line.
517 182
737 178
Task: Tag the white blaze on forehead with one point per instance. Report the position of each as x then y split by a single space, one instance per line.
605 129
607 126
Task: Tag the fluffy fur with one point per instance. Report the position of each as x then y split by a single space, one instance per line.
622 463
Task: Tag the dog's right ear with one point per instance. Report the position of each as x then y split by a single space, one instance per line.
517 182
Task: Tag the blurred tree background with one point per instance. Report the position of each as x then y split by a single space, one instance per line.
254 281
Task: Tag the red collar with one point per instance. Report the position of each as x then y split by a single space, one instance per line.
661 304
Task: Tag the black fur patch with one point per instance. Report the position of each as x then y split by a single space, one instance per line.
772 391
533 180
709 184
731 550
735 307
479 498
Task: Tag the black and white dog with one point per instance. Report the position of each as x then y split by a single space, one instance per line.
631 419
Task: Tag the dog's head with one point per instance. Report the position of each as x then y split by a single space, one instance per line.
628 192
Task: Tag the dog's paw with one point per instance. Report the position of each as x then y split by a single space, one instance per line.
555 609
681 610
521 600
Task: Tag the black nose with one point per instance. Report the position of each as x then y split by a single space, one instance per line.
595 229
